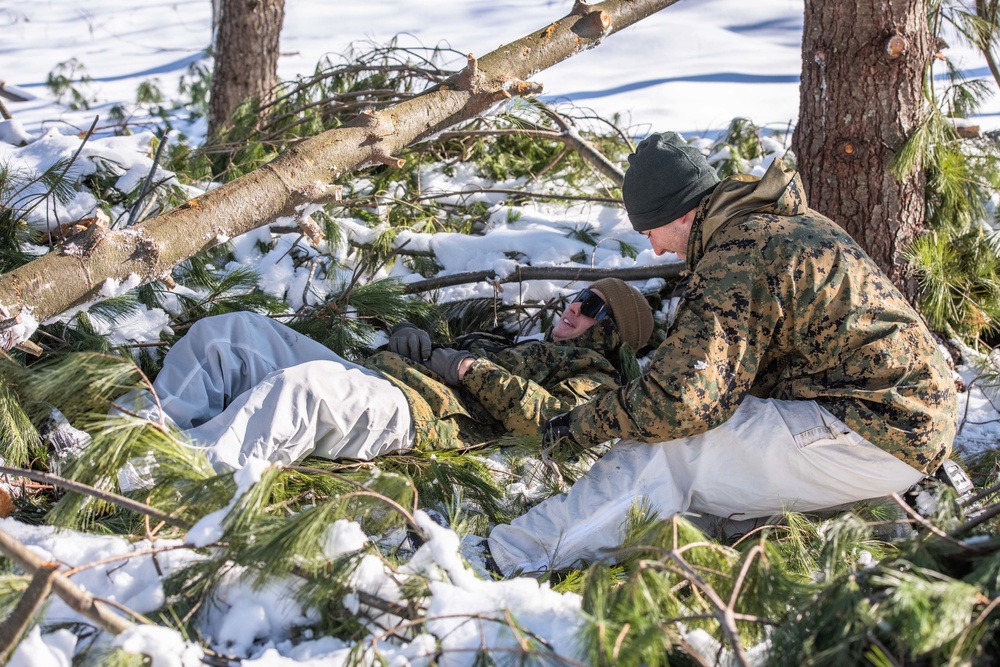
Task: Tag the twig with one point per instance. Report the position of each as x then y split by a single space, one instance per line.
362 491
913 514
725 616
983 494
669 271
518 193
78 599
584 148
972 523
149 179
757 550
547 459
114 498
117 557
17 623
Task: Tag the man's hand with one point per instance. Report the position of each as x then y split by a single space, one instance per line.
447 363
558 440
410 341
556 429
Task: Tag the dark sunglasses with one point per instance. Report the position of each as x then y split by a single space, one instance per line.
592 305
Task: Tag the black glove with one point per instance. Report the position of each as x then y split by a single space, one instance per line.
445 362
556 429
410 341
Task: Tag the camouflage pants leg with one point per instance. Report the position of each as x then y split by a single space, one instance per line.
771 456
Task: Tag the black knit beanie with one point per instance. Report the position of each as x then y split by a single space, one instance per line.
666 178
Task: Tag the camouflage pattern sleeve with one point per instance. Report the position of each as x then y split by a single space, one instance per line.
784 304
704 368
521 404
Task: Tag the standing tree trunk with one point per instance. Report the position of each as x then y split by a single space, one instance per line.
246 56
861 97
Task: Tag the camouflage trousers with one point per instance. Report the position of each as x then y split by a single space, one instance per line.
772 456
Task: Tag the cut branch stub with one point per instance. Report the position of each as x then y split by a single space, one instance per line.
593 25
470 78
309 227
376 125
385 158
896 45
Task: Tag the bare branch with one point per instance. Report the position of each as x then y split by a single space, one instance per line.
18 622
666 271
114 498
78 599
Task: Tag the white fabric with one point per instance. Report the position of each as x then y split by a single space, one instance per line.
771 456
243 385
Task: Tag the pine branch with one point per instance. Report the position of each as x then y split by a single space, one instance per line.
46 578
567 135
725 615
282 185
77 598
107 496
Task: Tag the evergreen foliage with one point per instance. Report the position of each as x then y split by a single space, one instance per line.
807 590
956 263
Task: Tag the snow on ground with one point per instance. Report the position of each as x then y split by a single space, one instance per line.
691 68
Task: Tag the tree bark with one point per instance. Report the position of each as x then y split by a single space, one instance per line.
282 188
861 97
246 56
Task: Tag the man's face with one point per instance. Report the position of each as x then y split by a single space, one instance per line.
572 322
673 236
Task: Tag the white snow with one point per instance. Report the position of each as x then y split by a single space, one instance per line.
691 68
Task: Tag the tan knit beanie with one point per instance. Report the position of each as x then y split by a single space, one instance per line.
631 311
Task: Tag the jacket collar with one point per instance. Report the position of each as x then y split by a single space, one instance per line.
603 338
779 191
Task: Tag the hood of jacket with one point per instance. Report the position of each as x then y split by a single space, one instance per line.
778 192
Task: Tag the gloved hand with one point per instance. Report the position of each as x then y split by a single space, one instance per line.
556 429
445 362
410 341
558 445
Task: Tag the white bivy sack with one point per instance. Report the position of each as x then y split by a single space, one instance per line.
241 385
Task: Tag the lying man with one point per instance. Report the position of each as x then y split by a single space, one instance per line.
794 377
243 385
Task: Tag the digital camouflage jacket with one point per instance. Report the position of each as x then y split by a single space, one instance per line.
509 389
783 303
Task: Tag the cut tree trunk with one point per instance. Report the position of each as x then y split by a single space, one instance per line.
861 97
299 177
246 56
